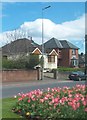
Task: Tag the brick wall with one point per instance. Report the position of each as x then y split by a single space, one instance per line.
65 58
18 75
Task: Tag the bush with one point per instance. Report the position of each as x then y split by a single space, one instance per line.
13 64
65 69
33 61
53 104
27 62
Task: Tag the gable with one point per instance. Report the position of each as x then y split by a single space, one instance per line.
53 52
36 51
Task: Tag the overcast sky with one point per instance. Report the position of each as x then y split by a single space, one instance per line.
63 20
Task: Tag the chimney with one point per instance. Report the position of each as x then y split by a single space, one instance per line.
31 38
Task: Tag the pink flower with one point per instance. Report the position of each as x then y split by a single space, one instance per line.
70 103
19 99
41 100
74 107
45 98
33 99
78 105
55 100
28 101
48 89
70 95
84 103
85 109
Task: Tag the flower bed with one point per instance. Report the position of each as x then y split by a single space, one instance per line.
53 103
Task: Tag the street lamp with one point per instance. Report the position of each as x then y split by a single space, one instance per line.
42 74
85 54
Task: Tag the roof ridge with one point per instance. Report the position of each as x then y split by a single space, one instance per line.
68 43
59 42
54 40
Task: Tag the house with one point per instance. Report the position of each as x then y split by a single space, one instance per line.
56 52
20 47
26 47
67 52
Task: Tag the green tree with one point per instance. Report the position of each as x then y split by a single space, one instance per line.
33 61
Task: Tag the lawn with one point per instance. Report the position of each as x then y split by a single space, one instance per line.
7 104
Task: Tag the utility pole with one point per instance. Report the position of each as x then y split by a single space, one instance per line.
85 54
42 74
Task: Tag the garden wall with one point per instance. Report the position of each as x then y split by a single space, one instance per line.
18 75
60 75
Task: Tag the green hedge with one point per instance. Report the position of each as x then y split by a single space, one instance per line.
65 69
22 63
10 64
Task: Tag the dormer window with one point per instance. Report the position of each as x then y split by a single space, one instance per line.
73 52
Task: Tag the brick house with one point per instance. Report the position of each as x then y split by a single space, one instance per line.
67 52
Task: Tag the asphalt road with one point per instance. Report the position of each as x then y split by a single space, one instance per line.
9 90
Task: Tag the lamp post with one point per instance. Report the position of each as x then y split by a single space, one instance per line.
85 54
42 74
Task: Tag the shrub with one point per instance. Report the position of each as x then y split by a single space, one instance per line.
53 104
23 62
65 69
33 61
13 64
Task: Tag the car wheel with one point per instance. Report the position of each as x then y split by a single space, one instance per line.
80 79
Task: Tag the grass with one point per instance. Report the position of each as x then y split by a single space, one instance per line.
7 104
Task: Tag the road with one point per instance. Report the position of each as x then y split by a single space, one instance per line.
9 90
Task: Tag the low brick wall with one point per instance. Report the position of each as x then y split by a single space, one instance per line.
18 75
60 75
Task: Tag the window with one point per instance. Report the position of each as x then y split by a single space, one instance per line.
73 52
4 57
51 58
74 62
59 52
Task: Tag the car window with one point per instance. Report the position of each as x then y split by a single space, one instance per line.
80 72
74 73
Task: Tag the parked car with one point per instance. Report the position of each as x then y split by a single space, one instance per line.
78 75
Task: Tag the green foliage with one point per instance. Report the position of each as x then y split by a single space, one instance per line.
13 64
65 69
24 62
33 61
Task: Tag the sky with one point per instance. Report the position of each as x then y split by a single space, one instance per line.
63 20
